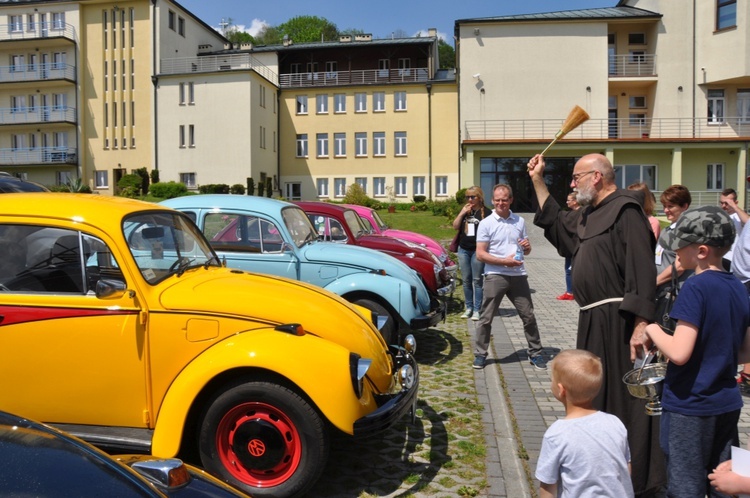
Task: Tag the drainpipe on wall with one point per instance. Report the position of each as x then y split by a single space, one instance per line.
429 140
155 82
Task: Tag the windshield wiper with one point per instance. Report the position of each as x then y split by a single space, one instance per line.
209 260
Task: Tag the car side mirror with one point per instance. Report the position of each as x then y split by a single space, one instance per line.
110 289
287 247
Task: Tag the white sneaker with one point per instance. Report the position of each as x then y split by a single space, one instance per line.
466 314
475 316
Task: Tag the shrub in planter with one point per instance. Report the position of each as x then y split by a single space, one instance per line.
237 189
250 186
214 188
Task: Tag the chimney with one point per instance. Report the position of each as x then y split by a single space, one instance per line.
345 38
365 37
205 48
432 32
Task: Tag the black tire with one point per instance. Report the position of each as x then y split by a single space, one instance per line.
264 439
389 330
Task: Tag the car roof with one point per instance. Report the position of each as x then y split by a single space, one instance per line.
226 201
9 183
322 207
98 210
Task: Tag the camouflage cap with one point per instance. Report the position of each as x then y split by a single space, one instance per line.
708 225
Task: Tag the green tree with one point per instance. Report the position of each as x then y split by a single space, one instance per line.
304 29
238 37
446 54
268 35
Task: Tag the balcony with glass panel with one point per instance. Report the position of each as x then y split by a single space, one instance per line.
37 30
50 71
38 114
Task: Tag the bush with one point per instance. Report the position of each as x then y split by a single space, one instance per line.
214 188
419 199
154 176
269 186
250 186
448 208
461 197
168 190
237 189
130 186
143 173
75 185
261 188
357 196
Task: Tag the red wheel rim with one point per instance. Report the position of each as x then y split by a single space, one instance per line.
258 444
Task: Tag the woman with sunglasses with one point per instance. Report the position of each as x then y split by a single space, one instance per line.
472 269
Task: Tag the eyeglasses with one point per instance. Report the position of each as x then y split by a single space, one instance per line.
471 196
577 176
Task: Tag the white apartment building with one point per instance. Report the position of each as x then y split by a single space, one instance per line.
666 83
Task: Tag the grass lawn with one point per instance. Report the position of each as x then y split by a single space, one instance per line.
424 222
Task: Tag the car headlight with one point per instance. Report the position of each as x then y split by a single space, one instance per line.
358 368
406 376
410 344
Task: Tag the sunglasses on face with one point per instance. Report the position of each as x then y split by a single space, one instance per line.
471 196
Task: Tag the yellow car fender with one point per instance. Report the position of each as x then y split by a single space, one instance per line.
319 368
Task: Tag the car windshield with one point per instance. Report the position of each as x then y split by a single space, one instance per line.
379 221
299 226
355 223
166 243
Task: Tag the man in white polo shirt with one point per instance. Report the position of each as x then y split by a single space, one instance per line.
501 244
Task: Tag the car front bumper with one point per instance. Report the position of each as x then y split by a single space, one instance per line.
435 316
391 407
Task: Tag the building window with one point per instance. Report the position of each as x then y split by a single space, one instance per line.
321 140
302 145
360 102
32 63
726 14
362 182
262 137
191 135
191 93
637 56
321 103
715 176
331 69
17 63
132 27
636 38
293 191
188 179
378 143
63 177
262 95
400 143
441 185
15 23
400 101
715 106
378 101
172 20
18 103
360 144
339 103
339 144
638 102
628 174
181 26
30 22
404 67
384 66
59 60
637 119
182 93
378 186
101 179
322 186
301 104
400 189
743 105
418 185
339 186
182 136
58 20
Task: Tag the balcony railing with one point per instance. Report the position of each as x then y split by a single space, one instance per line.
214 63
46 155
354 77
608 129
632 65
37 72
38 114
23 31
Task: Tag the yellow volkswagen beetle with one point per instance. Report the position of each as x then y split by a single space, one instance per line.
118 323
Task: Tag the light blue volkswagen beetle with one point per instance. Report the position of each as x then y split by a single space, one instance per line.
270 236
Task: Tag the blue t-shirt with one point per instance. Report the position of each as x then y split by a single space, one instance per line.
716 302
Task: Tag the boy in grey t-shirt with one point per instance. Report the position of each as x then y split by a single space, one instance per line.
586 454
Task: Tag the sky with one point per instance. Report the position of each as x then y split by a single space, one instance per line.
381 18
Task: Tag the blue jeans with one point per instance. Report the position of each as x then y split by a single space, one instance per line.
568 278
471 278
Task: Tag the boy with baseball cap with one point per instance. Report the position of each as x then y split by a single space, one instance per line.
701 402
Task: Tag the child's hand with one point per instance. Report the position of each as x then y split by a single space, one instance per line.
727 482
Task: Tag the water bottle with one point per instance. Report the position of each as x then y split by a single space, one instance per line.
519 251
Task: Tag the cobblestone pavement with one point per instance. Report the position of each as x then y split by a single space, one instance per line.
478 432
